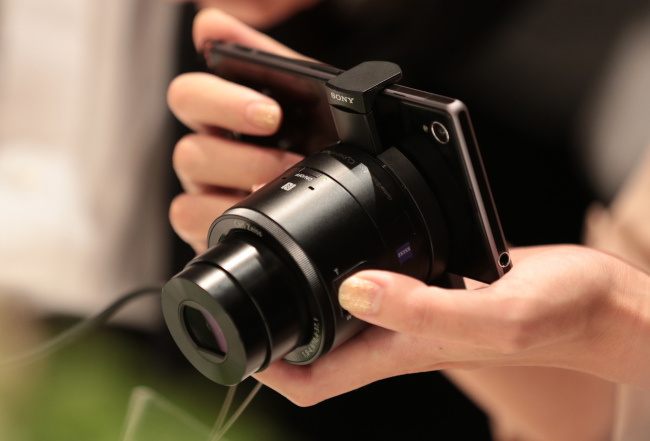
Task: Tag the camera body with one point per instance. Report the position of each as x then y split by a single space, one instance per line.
399 191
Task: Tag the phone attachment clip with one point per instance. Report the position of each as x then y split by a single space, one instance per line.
351 96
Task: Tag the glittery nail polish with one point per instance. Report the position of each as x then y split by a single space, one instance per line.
359 296
263 115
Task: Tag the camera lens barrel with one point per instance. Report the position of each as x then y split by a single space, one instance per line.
267 286
241 291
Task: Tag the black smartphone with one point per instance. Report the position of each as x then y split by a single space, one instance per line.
434 131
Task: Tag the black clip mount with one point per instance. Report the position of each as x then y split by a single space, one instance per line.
352 96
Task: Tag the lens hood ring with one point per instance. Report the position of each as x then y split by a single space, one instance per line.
246 352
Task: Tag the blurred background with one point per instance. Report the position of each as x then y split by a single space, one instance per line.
559 97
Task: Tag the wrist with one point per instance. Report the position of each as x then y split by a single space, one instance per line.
617 342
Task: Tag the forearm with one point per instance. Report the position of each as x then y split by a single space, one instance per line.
540 404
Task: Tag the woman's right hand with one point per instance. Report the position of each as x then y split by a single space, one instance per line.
215 171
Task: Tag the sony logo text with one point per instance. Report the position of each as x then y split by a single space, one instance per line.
344 99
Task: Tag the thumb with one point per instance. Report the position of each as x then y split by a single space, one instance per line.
403 304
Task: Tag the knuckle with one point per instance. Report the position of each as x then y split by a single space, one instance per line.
305 399
181 216
419 318
185 155
178 93
516 339
521 326
305 394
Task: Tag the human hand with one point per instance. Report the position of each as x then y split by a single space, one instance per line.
260 14
216 172
560 306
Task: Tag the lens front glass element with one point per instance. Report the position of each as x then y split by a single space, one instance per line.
205 331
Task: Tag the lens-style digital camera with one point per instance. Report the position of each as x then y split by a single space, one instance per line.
393 180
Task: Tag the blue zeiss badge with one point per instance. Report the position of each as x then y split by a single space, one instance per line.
404 253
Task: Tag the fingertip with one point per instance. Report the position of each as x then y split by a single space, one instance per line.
174 91
181 215
186 155
387 280
265 116
191 216
360 296
363 294
181 219
202 100
205 20
390 300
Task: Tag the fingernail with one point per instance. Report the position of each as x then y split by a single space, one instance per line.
359 296
263 115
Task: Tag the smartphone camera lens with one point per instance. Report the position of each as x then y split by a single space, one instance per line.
440 132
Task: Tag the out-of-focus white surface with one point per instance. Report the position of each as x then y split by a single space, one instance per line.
83 127
616 127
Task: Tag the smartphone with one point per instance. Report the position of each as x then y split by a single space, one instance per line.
434 132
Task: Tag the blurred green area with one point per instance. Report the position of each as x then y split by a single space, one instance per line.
82 392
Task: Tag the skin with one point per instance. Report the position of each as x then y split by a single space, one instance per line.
260 14
563 306
556 327
216 172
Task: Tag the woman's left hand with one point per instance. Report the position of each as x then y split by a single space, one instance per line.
560 306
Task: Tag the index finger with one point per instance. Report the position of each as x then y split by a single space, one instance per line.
214 24
202 100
